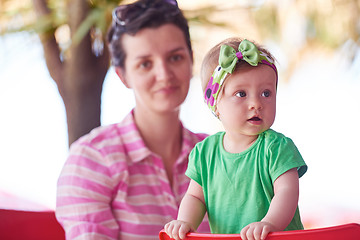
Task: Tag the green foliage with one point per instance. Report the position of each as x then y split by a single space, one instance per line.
99 17
15 19
203 16
268 15
329 24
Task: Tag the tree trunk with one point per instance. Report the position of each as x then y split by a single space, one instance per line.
84 78
80 76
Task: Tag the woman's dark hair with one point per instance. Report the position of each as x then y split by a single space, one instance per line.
139 15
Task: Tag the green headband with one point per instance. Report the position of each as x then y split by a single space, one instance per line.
228 59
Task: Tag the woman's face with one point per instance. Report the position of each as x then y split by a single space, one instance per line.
158 67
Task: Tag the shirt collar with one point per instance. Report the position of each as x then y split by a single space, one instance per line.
136 148
133 143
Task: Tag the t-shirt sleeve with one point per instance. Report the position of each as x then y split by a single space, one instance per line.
194 164
284 156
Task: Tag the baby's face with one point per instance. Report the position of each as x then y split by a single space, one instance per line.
247 104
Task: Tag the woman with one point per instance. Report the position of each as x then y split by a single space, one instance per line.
126 180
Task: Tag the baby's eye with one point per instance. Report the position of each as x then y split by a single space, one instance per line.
241 94
266 93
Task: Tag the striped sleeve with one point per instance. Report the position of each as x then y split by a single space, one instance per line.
84 192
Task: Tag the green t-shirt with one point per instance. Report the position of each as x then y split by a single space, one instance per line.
238 187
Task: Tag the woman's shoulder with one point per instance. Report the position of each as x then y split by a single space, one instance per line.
99 136
110 145
193 137
105 136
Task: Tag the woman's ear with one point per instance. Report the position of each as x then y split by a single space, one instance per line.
121 73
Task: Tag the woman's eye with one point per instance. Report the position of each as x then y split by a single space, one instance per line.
145 64
240 94
266 93
176 58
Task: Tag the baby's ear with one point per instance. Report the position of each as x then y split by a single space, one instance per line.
217 114
121 73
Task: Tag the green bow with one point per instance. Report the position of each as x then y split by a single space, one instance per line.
229 57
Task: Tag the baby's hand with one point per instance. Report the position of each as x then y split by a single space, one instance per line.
257 231
177 229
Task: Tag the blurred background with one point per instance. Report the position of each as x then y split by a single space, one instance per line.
316 44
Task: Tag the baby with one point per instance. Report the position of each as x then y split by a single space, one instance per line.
247 177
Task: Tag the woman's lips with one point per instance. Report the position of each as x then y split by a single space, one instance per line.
167 90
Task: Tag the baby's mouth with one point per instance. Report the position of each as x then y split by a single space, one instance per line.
254 119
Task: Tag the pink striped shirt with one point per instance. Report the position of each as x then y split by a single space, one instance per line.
113 187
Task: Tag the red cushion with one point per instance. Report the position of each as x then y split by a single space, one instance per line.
29 225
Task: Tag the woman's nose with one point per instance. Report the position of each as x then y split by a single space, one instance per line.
163 71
